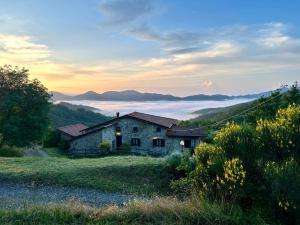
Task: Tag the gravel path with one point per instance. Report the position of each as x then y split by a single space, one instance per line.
14 195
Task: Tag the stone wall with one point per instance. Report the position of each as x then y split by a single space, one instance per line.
86 144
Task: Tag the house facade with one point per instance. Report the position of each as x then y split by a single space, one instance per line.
144 133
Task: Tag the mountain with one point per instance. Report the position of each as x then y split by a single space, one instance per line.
62 115
57 96
131 95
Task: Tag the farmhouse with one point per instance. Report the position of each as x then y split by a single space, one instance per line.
144 133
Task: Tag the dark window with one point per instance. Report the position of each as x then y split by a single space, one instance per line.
118 129
135 142
187 143
157 142
158 129
135 129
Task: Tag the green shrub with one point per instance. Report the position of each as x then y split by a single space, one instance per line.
10 151
125 147
284 182
52 139
105 146
174 160
63 145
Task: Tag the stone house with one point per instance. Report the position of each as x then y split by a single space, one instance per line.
145 133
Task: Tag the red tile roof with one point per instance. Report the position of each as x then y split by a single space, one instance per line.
73 130
185 132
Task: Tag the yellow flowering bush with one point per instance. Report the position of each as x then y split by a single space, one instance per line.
280 138
229 137
232 179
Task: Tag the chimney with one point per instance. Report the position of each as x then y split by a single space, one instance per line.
118 114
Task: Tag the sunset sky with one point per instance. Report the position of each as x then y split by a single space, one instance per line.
165 46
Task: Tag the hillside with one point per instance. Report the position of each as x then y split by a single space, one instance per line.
65 114
216 114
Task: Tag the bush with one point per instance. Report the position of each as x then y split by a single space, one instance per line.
280 138
284 182
174 160
105 146
63 145
125 147
52 139
10 151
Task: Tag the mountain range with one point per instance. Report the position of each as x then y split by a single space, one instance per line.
132 95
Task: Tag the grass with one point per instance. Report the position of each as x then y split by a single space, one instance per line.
55 152
158 211
122 174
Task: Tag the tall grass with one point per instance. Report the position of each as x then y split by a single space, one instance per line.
159 211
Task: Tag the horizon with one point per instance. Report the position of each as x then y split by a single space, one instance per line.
154 46
162 93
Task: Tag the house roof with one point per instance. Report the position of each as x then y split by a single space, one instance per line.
162 121
158 120
73 130
185 132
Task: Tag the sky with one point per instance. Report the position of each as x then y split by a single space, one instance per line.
164 46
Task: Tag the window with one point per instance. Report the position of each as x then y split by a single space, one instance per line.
135 129
118 129
135 142
157 142
158 129
187 143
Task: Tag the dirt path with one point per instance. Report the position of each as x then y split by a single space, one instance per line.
14 195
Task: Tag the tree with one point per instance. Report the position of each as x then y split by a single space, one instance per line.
24 106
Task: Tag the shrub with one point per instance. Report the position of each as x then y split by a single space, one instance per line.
209 160
105 146
280 138
174 160
52 139
284 182
10 151
63 145
125 147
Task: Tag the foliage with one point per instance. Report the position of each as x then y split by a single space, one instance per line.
24 106
52 139
280 138
61 115
284 182
10 151
252 167
105 146
63 145
125 147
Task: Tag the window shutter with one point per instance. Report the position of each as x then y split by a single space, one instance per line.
162 142
139 142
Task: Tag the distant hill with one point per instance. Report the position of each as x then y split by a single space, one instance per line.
76 107
66 114
131 95
217 114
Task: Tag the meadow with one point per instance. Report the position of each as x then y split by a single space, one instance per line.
119 174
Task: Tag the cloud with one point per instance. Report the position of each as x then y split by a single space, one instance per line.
22 48
116 12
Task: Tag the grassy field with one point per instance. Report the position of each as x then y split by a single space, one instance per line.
159 211
122 174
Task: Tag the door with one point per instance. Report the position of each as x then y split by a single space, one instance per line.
119 141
